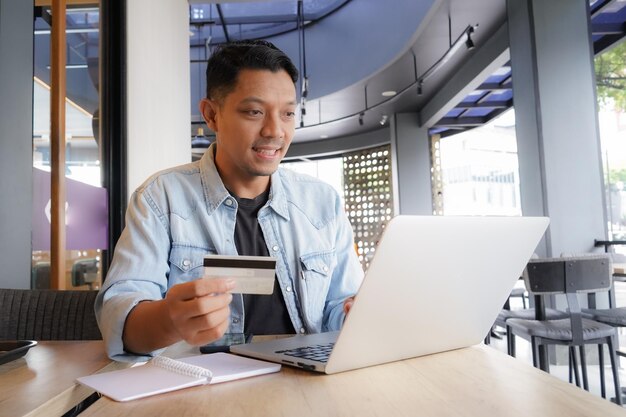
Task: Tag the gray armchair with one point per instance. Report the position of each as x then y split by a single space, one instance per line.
569 276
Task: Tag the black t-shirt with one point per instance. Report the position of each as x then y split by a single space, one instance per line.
264 314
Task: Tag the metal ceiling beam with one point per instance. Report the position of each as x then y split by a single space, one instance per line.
488 104
603 5
605 42
508 81
616 28
470 122
219 11
494 86
451 132
463 121
486 96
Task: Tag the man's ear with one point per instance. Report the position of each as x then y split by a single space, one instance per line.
208 108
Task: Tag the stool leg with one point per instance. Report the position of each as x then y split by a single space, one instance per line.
572 352
583 367
601 364
570 373
535 349
510 340
618 390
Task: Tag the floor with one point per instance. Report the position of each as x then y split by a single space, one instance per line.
523 352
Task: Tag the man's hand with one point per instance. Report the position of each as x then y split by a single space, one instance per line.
199 310
347 304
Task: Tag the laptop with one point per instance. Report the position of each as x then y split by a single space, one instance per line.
435 284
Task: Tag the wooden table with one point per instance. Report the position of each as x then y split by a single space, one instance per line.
42 383
476 381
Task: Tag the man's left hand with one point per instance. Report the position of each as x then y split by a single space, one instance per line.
347 304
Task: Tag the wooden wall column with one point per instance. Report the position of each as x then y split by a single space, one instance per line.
57 145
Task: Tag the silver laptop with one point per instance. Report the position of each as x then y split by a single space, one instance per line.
435 284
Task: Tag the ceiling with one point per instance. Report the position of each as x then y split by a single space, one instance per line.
495 94
364 103
357 52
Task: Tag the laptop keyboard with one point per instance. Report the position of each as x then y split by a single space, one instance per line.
318 353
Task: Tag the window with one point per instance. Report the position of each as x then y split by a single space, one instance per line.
479 170
86 206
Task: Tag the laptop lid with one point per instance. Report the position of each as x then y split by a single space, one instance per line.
436 283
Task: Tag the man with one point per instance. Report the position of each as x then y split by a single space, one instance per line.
233 201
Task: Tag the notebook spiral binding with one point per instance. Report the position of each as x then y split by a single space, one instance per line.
182 368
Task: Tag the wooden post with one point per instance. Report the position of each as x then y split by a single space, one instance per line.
57 145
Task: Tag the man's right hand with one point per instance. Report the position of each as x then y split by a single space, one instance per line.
197 312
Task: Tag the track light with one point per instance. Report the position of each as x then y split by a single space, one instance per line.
361 118
469 43
464 40
383 120
302 110
305 86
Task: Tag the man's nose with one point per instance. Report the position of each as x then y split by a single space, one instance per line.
273 127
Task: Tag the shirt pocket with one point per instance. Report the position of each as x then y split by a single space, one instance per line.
317 265
186 263
316 273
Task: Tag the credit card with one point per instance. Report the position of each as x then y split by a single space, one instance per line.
252 274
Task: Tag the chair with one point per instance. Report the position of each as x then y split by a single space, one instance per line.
570 277
519 292
40 276
613 316
525 314
48 315
85 272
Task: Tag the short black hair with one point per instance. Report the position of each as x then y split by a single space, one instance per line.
230 58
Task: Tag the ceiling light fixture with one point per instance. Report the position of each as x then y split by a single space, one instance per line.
469 43
361 118
389 93
383 120
465 39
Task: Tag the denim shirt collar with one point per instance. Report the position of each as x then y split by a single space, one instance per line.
215 193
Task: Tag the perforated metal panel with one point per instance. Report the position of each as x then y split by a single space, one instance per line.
368 197
436 178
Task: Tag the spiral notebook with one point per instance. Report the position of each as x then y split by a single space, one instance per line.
163 374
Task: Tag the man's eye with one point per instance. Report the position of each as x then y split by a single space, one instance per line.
290 114
254 112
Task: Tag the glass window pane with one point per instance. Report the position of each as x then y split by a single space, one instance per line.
480 171
86 207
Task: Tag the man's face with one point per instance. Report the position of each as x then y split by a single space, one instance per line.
254 124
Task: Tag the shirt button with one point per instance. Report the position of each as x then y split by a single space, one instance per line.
302 330
228 202
325 268
275 248
235 321
288 289
186 263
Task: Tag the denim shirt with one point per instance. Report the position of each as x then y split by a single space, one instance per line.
182 214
